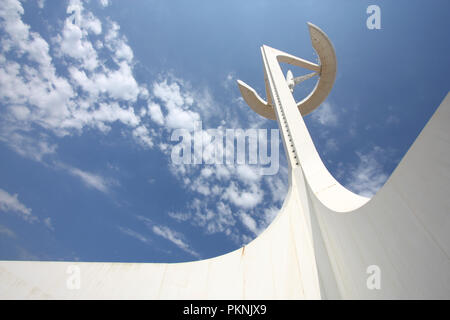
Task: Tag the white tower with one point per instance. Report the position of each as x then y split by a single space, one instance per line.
326 241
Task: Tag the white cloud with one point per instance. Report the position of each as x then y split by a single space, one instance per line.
89 179
201 186
22 84
247 174
118 44
101 117
256 227
48 223
35 96
325 114
331 145
269 215
245 199
392 119
104 3
170 94
156 113
176 104
219 218
135 235
7 232
249 222
146 220
230 80
278 185
27 146
142 134
17 34
116 84
368 176
74 42
179 216
182 119
174 237
11 203
206 172
123 51
19 112
222 172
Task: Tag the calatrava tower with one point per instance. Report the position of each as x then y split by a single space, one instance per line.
325 243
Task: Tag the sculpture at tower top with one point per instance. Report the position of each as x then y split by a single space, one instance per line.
326 70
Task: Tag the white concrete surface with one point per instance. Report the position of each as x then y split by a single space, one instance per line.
318 247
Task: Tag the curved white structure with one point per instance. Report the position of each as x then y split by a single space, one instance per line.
321 244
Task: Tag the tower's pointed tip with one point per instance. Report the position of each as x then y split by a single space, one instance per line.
312 26
241 83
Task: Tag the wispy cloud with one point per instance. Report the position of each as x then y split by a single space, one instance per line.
48 223
11 203
250 223
90 179
167 233
134 234
331 145
325 114
230 80
174 237
179 216
256 226
392 119
35 148
368 176
104 3
7 232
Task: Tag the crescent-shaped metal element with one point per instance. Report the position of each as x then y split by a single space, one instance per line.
327 57
255 102
327 74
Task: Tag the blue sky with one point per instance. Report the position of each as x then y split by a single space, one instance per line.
90 93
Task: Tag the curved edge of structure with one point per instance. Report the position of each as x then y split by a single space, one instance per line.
401 237
327 189
255 102
278 264
324 185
